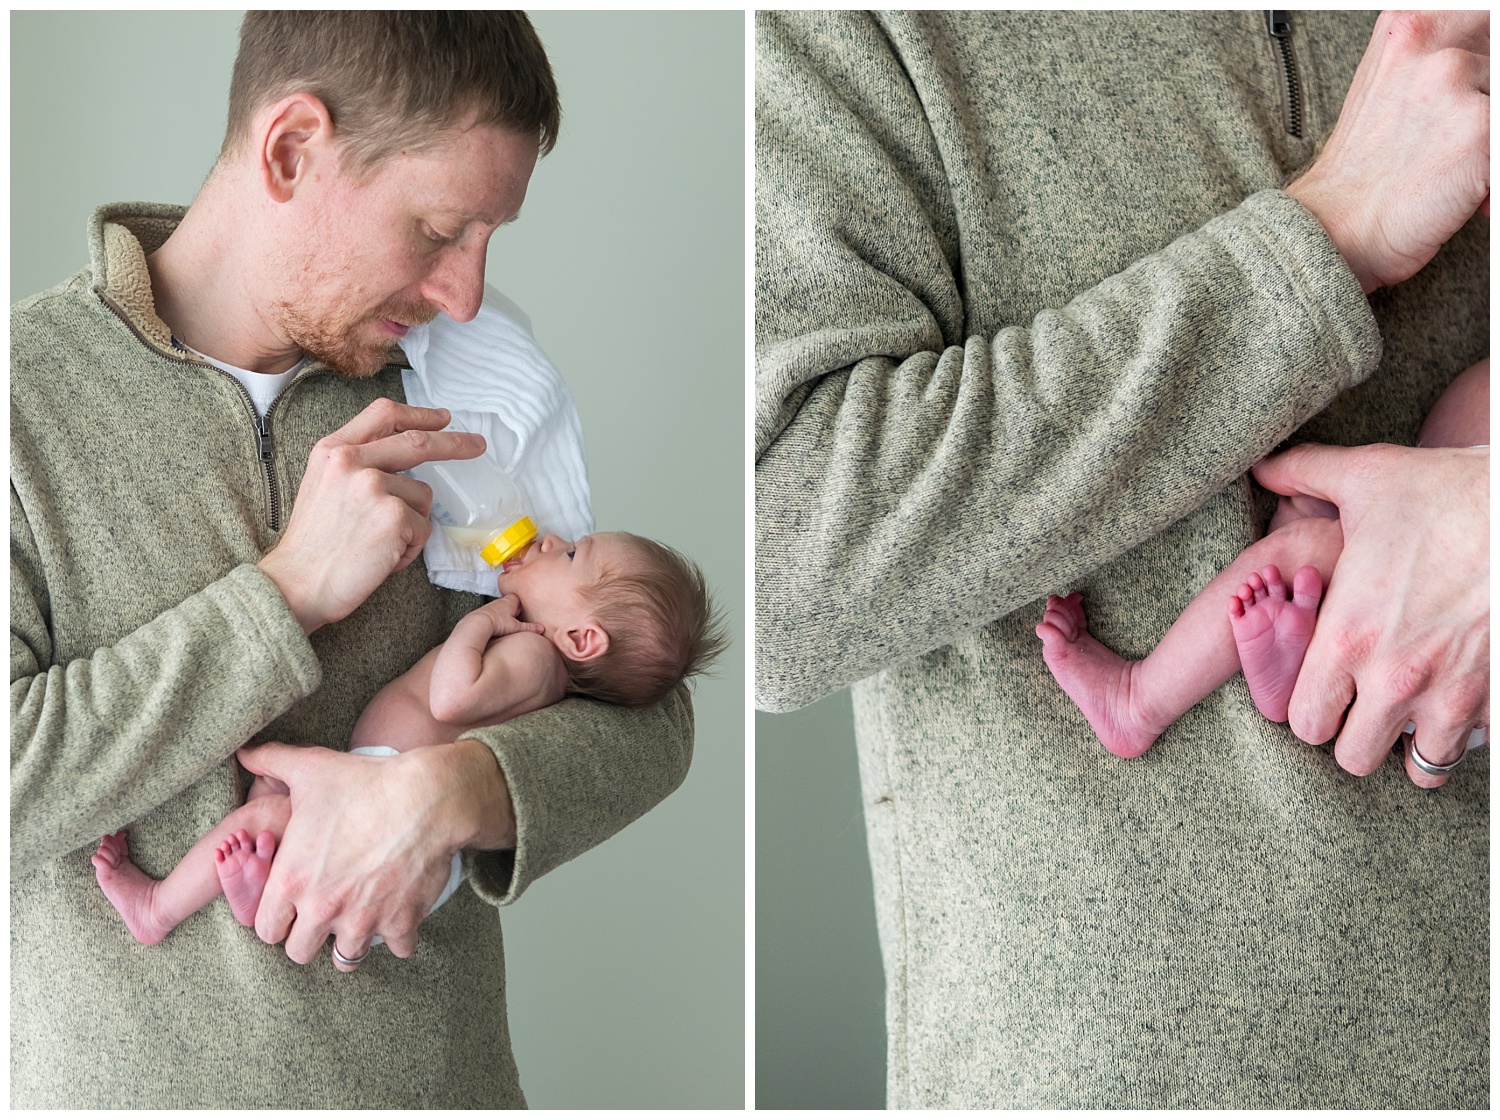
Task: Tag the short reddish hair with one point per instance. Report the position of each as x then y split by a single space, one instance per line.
396 80
662 624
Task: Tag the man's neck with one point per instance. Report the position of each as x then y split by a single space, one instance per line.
203 287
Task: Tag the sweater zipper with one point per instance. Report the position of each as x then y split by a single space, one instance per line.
1279 25
266 449
265 445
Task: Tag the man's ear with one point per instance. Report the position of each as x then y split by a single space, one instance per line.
293 132
584 642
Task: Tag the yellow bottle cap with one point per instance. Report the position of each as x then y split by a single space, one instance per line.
509 543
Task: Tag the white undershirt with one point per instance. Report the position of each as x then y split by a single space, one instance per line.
263 388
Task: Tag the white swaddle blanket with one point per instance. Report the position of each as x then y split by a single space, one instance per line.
495 380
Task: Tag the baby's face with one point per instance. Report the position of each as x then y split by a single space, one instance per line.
552 576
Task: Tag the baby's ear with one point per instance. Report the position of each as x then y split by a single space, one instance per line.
584 642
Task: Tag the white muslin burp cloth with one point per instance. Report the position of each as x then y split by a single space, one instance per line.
494 378
455 874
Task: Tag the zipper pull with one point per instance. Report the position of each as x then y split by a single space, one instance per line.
263 443
1278 24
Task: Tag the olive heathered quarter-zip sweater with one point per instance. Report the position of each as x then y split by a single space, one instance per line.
145 647
1029 303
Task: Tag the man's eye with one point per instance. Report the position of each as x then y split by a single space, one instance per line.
434 235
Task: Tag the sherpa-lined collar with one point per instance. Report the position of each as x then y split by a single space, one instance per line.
120 236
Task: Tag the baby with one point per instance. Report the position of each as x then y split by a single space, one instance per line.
614 616
1265 631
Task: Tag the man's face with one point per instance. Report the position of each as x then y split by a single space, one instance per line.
385 252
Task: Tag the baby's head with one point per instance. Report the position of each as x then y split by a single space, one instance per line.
631 617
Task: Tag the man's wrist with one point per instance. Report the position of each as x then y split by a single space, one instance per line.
1323 205
291 590
482 816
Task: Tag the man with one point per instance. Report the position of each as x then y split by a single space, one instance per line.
329 224
1029 305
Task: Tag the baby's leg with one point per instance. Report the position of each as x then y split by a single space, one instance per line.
153 909
1130 703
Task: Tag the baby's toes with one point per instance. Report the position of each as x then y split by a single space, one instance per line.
1275 587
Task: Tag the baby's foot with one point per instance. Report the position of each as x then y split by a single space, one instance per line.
128 889
243 868
1096 678
1272 633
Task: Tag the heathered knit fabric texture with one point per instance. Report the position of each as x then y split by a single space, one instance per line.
1029 303
145 647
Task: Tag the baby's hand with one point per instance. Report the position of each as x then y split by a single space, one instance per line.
504 617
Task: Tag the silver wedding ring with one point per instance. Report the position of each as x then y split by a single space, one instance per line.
349 962
1477 738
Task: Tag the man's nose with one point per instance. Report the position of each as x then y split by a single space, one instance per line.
456 283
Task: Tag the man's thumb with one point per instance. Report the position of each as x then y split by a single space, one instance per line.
1313 469
270 760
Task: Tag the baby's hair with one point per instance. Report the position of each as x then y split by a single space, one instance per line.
663 627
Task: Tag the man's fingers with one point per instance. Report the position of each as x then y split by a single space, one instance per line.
419 537
1439 743
306 940
274 917
1428 32
1371 729
351 941
270 760
1467 30
1313 469
402 942
281 761
404 450
1320 697
416 494
384 417
1418 776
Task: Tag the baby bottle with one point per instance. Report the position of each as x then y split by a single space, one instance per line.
477 503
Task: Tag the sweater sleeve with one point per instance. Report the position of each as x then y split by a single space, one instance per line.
102 740
915 480
578 772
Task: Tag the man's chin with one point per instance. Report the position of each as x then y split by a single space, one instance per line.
353 361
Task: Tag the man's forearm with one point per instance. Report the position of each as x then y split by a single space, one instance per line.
210 672
485 816
1028 459
575 773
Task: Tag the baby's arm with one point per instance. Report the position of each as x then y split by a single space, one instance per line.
1130 703
494 667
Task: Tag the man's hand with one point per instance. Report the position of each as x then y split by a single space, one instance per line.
355 520
371 840
1404 631
1408 162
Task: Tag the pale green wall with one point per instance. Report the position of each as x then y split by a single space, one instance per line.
626 967
819 999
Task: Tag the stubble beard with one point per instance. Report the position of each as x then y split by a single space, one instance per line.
356 345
